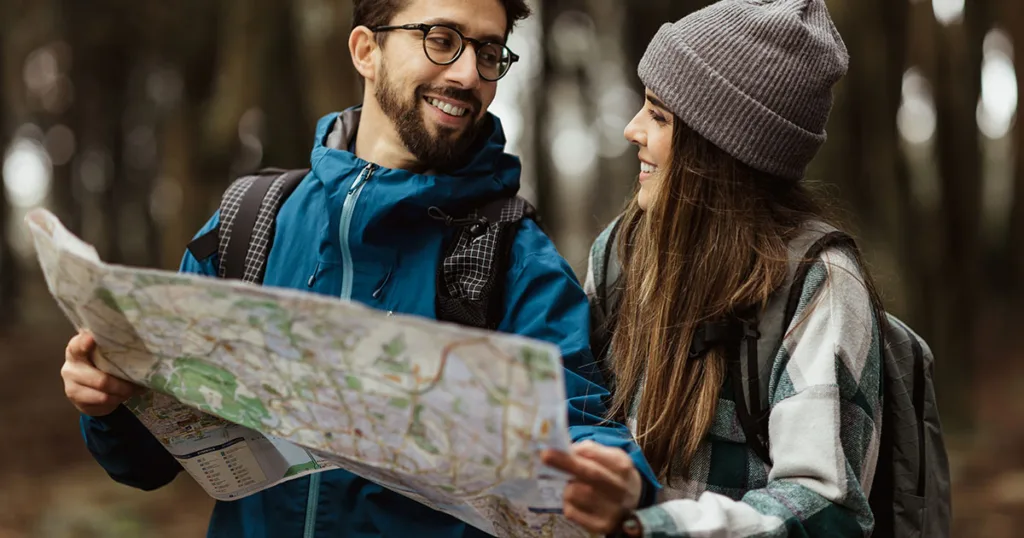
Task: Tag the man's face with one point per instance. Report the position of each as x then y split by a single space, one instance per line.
438 110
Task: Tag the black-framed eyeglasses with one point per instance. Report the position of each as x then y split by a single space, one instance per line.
444 45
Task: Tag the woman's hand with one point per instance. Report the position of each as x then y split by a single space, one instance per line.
605 486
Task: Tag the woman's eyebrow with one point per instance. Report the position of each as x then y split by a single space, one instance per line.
655 101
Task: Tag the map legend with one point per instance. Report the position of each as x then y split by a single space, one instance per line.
229 468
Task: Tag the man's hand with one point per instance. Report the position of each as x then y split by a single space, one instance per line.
605 487
90 390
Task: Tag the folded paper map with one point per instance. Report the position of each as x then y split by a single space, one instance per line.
252 386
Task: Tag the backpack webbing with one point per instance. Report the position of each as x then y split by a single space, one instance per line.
470 276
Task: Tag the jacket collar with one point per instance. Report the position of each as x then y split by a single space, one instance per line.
487 173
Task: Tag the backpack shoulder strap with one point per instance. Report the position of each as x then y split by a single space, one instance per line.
810 257
607 266
603 290
471 276
752 416
732 334
248 216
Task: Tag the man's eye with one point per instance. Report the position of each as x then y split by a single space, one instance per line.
441 43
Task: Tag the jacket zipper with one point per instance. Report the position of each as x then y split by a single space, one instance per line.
347 210
311 501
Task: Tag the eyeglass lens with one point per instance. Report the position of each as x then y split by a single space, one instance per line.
442 45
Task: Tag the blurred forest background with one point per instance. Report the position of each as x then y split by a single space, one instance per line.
128 119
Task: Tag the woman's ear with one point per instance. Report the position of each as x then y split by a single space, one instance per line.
362 44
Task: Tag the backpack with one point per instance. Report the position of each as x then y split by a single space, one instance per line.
910 495
470 277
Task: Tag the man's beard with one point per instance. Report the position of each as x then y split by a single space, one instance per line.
442 151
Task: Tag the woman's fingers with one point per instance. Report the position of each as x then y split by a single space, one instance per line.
613 459
582 469
595 523
585 497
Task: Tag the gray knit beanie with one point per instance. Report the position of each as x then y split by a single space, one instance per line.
754 77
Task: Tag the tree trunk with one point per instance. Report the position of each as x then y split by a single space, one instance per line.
899 224
284 100
99 76
8 265
1015 235
65 194
958 86
322 29
547 207
865 85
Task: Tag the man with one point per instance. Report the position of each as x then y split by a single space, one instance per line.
358 227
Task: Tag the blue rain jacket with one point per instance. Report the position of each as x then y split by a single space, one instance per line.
355 230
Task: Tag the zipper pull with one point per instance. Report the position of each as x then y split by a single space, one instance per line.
380 288
364 176
312 278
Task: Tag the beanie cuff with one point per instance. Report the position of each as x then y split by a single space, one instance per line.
722 113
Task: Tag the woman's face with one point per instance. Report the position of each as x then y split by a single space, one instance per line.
651 131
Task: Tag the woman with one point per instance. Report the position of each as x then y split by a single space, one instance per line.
737 99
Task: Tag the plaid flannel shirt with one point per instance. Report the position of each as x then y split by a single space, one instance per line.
822 386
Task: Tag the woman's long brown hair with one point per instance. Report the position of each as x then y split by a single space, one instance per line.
712 243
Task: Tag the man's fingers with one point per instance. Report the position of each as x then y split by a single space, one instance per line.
91 377
582 469
85 397
118 387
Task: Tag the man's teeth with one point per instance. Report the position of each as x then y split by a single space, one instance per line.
447 108
647 168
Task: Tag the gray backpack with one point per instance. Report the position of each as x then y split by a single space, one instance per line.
910 496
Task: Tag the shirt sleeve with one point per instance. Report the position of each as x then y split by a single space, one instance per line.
824 425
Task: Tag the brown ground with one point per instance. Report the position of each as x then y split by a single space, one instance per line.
50 487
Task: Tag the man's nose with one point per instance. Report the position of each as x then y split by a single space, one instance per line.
463 71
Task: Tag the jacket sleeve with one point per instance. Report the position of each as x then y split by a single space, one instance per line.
824 425
126 450
545 301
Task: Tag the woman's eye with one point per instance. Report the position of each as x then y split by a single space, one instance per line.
658 117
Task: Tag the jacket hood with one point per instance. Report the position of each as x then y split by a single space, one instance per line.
488 171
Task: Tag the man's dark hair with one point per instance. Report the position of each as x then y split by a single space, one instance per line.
372 13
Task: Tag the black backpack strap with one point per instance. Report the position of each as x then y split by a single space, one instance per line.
205 245
248 216
733 334
471 276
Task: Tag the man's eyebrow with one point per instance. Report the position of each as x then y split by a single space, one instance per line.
655 101
490 38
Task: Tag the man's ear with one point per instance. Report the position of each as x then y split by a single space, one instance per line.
362 44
